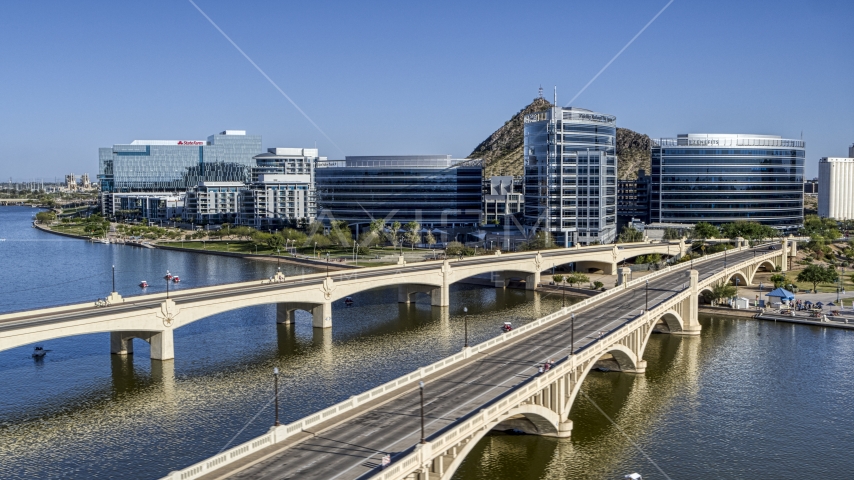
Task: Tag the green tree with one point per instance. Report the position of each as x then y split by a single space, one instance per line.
558 279
577 279
395 233
430 239
780 280
539 241
629 235
45 217
671 233
719 291
826 227
704 231
816 274
275 242
598 285
413 234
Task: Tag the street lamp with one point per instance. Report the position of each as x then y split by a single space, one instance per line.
327 264
314 252
114 278
421 388
563 294
167 284
276 383
572 334
736 287
466 326
724 257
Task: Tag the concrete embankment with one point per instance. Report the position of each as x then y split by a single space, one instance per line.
834 321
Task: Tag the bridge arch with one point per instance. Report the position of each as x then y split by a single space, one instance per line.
674 321
766 265
545 420
742 280
617 351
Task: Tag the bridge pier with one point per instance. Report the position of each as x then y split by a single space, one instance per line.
784 259
321 313
691 308
162 345
623 277
532 280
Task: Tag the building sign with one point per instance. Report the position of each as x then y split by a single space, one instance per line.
536 117
703 141
191 142
593 117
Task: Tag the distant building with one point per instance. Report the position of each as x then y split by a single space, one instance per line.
502 197
149 205
633 199
282 190
571 175
836 187
719 178
214 202
811 187
71 182
172 166
434 190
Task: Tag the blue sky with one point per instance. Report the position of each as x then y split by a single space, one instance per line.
389 78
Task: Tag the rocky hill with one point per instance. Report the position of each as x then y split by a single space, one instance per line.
502 151
633 152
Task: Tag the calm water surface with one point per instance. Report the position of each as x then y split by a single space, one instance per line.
83 413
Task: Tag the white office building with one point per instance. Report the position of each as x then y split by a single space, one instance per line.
282 191
836 187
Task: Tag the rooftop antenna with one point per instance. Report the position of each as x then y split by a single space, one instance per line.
541 91
555 95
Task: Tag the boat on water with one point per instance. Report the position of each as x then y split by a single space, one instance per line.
143 284
348 302
39 352
176 279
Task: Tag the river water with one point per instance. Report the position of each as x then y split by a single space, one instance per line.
746 399
84 413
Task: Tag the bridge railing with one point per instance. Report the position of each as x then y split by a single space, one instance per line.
402 384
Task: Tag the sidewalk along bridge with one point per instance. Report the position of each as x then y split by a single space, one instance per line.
154 317
491 385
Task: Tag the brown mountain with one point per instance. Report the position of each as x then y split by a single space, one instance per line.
502 151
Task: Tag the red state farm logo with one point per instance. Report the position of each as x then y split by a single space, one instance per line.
190 142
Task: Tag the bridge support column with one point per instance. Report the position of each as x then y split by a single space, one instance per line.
283 315
440 297
532 280
623 278
691 320
322 315
120 345
784 260
564 429
162 345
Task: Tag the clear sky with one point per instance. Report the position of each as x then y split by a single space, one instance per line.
385 78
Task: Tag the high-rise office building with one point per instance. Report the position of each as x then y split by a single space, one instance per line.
571 175
434 190
722 178
836 187
170 166
282 190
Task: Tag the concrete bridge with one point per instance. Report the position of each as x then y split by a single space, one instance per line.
153 318
493 385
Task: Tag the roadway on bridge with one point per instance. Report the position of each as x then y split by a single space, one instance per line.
137 303
353 449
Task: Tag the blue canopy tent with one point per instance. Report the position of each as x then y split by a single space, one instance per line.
780 295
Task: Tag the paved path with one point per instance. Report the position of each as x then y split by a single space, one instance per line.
353 448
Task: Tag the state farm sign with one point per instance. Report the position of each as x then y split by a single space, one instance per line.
190 142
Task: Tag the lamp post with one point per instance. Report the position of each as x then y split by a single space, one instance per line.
421 388
167 284
314 252
327 264
736 287
276 384
114 278
466 326
572 334
563 294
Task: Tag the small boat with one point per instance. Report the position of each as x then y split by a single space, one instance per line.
143 284
348 302
39 352
175 279
507 327
633 476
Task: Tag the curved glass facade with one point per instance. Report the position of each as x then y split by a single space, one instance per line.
571 175
724 178
432 190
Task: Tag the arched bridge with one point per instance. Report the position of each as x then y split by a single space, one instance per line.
154 317
491 385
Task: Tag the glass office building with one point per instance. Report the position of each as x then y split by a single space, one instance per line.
176 165
720 178
571 175
434 190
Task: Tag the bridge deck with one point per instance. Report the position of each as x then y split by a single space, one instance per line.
351 446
